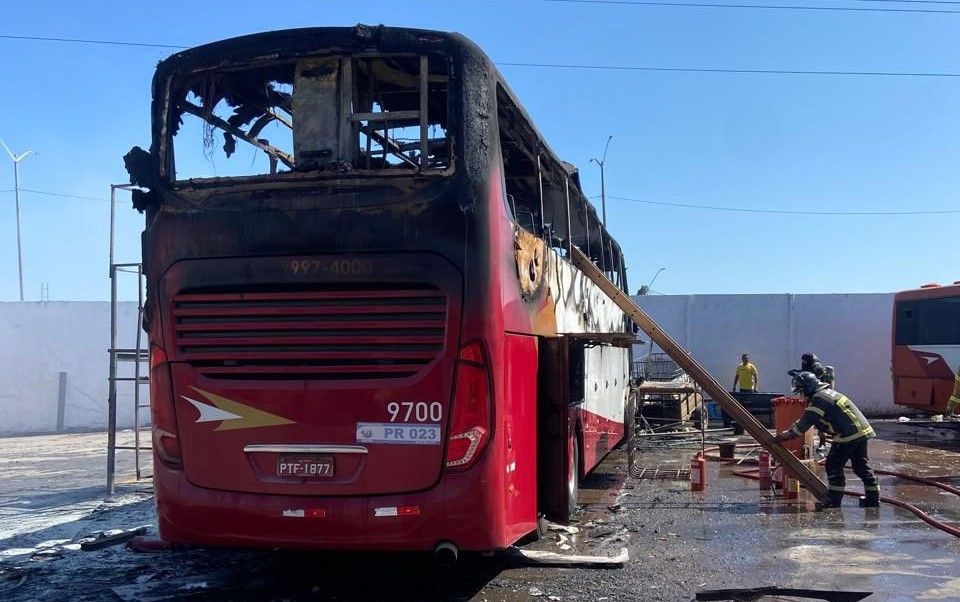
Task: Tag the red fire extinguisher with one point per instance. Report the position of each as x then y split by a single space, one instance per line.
764 463
698 473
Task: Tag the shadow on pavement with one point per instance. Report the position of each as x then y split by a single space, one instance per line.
54 499
213 574
117 573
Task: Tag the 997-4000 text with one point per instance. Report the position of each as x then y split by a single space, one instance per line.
339 267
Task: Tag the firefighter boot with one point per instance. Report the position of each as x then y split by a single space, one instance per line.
870 500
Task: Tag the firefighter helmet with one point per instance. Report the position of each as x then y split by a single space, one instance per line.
808 361
806 383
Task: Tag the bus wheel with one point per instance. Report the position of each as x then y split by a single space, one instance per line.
573 476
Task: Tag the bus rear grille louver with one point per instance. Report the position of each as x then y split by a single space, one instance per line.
331 334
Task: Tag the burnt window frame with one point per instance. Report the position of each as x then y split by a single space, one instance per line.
176 85
574 220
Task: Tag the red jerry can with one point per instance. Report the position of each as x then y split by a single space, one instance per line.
764 464
786 411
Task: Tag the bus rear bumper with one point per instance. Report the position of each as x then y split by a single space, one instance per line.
454 511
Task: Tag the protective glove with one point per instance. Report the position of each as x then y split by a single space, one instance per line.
784 436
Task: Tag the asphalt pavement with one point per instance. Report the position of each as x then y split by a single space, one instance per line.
680 543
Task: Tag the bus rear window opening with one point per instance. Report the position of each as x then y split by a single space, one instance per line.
325 114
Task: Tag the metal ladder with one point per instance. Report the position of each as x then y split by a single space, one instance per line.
699 374
138 355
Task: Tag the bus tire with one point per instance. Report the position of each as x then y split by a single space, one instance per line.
573 476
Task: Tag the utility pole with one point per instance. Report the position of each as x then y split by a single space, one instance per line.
603 187
16 193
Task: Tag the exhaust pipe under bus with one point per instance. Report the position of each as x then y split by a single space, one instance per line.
446 554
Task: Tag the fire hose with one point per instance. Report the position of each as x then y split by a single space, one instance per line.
750 474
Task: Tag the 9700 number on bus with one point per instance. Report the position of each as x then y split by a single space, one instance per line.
418 411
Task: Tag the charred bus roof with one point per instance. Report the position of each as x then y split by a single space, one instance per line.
311 41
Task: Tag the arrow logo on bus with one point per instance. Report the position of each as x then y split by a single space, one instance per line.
209 413
232 415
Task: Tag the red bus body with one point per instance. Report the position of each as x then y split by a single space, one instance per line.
926 346
354 358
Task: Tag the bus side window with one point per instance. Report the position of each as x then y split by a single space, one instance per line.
907 327
518 149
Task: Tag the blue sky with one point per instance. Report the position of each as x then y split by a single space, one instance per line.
797 142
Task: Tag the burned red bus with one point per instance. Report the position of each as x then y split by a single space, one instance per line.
926 346
365 329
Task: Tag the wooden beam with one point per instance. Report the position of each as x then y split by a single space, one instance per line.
700 376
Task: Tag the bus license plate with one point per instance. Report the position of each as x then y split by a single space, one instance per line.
313 467
396 433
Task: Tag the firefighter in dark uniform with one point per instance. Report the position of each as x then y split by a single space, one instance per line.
833 413
809 362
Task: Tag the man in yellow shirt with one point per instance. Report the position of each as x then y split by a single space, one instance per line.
747 376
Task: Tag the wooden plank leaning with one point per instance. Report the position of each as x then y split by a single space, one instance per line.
699 374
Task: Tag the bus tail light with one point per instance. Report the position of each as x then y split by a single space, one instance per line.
470 423
165 431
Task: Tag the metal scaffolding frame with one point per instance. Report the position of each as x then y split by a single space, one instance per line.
137 355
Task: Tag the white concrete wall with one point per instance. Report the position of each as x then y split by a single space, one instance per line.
40 340
849 332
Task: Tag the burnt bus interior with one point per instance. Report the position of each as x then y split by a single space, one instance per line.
544 195
364 113
370 113
324 114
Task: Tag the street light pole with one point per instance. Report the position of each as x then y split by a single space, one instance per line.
603 195
603 186
655 277
646 287
16 194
